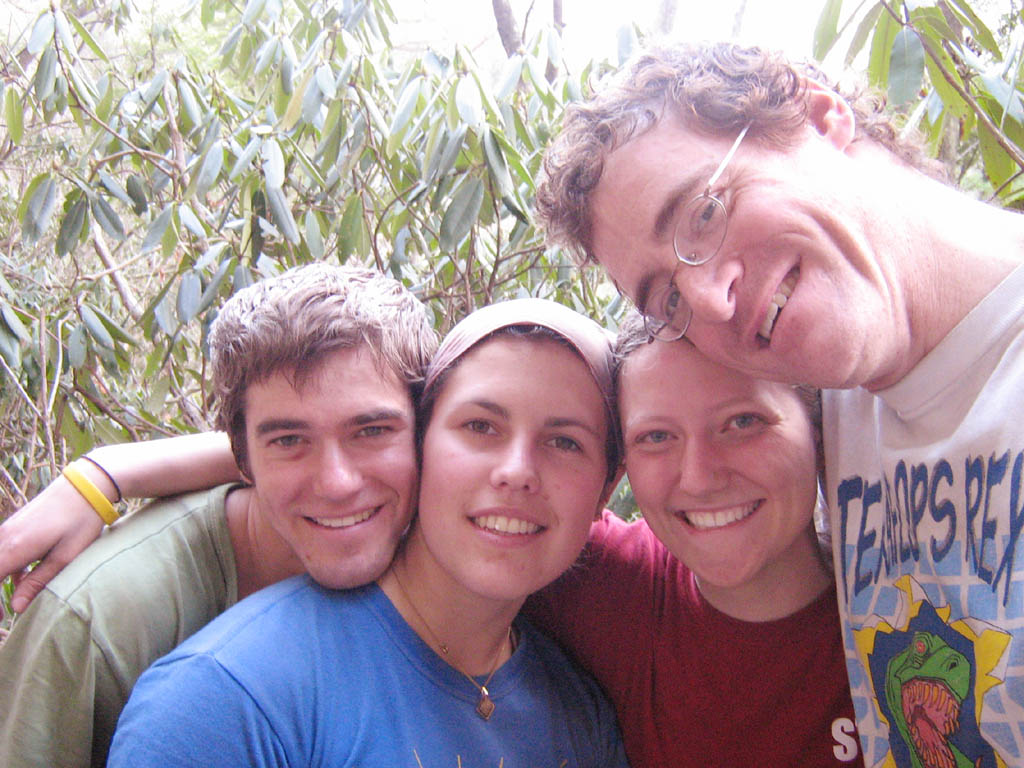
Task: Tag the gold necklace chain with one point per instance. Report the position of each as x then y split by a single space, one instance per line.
485 704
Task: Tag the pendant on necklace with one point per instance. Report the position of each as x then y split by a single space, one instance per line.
485 707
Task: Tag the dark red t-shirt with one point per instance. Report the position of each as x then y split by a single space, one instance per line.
692 686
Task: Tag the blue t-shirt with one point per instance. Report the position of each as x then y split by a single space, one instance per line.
299 675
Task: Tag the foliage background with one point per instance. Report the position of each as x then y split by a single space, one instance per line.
143 179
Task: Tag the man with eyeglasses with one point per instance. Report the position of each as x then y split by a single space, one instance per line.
789 232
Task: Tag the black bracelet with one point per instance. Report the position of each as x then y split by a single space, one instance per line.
110 477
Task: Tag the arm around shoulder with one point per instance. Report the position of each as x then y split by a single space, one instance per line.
60 522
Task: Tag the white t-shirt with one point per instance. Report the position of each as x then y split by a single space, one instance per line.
926 489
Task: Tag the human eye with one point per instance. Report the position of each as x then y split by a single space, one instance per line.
480 427
374 430
653 437
287 441
704 217
744 422
566 443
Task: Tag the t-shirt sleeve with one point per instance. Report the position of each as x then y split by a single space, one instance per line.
190 712
48 670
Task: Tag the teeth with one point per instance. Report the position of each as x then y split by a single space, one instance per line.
502 524
704 521
777 303
343 522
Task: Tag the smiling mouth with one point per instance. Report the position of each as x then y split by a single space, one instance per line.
782 294
508 525
345 522
719 518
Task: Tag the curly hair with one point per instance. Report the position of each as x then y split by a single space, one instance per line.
714 88
290 323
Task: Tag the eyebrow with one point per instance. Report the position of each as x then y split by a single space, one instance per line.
370 417
556 421
686 190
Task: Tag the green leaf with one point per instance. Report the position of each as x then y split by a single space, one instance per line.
42 33
88 39
114 187
189 103
981 33
210 169
46 74
998 165
245 158
116 331
107 218
76 346
66 40
14 324
97 330
137 192
314 238
157 228
881 50
281 215
403 113
952 101
467 101
452 148
189 292
71 227
252 11
860 35
273 164
294 109
906 67
10 350
165 317
40 208
218 279
14 115
190 221
462 213
325 81
496 164
826 31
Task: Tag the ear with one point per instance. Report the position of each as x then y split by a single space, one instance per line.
609 489
830 115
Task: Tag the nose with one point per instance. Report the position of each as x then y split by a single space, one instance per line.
700 470
709 288
516 467
337 476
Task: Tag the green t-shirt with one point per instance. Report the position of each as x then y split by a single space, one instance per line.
149 582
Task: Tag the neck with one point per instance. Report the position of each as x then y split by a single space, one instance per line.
783 587
262 557
473 628
945 253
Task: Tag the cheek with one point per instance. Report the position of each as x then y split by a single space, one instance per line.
647 480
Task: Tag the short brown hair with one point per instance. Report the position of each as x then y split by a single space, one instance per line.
713 88
289 323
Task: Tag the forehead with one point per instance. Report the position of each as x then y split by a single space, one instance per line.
530 366
344 382
678 372
640 179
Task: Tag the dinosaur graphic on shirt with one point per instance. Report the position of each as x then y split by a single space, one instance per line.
930 677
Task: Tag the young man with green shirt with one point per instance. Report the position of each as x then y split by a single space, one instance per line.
313 373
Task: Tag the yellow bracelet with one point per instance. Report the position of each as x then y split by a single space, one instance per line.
91 493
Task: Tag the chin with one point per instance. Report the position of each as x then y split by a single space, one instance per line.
353 575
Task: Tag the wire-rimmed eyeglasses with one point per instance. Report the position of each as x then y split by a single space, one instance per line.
696 238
